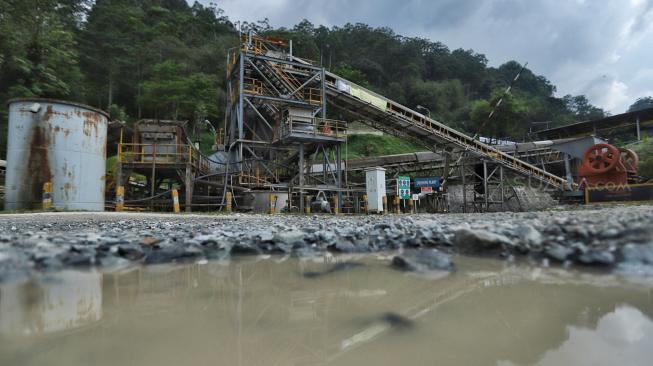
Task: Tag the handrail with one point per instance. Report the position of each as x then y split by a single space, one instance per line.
322 127
161 154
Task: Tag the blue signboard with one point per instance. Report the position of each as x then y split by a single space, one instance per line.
427 182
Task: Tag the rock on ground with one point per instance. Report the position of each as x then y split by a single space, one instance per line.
616 237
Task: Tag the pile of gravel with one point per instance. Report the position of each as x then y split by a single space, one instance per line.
619 237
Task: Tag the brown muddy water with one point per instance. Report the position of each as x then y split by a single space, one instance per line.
268 312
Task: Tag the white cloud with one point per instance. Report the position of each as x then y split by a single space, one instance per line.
622 337
571 43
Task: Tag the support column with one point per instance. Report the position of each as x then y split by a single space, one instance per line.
339 175
301 178
501 184
639 133
485 187
188 182
153 178
568 169
462 176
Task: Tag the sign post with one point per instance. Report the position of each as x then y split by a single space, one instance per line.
432 182
403 187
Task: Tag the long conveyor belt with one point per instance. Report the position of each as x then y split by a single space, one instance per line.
389 116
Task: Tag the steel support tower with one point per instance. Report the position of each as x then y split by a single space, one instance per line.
276 125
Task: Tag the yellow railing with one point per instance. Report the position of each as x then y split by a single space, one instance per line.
316 127
312 96
256 46
253 86
162 154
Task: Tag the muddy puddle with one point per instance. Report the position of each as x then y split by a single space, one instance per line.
285 311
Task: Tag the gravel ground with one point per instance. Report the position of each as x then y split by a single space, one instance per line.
617 238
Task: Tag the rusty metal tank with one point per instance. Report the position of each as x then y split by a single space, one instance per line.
59 142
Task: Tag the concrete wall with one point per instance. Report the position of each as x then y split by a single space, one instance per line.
529 199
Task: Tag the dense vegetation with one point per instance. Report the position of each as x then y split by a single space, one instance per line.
166 59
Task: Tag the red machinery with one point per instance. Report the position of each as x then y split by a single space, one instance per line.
604 164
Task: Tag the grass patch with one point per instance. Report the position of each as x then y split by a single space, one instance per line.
359 146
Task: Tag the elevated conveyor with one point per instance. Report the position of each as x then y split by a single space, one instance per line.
393 118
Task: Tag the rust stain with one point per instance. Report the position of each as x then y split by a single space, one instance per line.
49 112
38 167
67 188
91 121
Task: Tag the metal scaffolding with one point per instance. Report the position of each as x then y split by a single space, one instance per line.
277 114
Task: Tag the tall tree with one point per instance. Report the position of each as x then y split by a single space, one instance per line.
38 53
641 103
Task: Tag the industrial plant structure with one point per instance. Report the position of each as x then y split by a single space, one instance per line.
280 149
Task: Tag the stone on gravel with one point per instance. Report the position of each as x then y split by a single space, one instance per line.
559 252
422 260
149 240
130 252
289 237
529 235
343 246
577 235
471 241
600 257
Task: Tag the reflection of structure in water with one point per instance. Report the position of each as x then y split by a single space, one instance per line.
72 301
264 312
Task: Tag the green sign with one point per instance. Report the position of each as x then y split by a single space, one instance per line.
403 187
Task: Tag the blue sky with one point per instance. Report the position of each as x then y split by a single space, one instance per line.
600 48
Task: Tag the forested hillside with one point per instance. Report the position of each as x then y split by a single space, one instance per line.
166 59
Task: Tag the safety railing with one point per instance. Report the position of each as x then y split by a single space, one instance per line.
253 86
287 78
312 96
162 154
317 127
255 45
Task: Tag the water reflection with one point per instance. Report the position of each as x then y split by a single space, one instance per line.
65 301
267 312
622 337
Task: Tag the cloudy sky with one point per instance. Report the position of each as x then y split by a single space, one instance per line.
600 48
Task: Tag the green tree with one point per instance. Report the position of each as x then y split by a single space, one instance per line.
352 74
38 56
442 98
174 93
641 103
583 110
507 121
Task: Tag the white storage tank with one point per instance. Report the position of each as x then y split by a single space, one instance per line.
59 142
